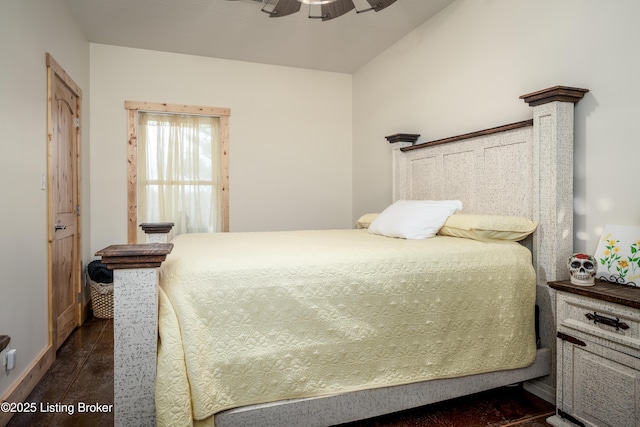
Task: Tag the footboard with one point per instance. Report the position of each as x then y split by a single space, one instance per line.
135 295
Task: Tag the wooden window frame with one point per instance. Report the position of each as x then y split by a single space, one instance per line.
133 107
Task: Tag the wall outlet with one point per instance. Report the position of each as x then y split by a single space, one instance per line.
11 359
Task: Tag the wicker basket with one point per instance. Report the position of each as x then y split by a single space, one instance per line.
102 299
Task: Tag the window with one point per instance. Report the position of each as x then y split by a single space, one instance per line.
178 168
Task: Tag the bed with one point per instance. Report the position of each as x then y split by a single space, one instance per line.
271 343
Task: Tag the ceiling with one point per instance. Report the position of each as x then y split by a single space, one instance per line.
238 30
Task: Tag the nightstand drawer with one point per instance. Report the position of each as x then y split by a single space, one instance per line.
604 319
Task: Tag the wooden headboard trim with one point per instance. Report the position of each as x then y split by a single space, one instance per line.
470 135
556 93
403 137
545 96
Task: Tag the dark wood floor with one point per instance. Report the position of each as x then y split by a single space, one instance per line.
83 372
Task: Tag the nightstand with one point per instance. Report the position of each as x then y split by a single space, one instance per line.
598 355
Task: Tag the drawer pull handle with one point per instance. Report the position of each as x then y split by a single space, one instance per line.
572 340
616 323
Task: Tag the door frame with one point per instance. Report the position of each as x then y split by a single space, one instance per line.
53 69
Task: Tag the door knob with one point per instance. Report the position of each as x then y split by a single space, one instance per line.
59 227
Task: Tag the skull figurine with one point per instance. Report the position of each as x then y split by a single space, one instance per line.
582 268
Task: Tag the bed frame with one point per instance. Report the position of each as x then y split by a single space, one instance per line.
523 169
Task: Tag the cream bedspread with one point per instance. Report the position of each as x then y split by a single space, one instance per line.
248 318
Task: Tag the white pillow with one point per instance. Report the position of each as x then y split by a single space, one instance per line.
414 219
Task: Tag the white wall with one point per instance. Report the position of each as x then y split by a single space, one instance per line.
290 136
464 70
29 29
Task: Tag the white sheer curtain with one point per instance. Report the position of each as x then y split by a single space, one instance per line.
179 172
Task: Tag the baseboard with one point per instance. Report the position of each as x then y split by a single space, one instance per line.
25 385
84 311
541 389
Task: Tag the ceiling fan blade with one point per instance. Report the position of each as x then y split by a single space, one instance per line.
284 8
378 5
335 9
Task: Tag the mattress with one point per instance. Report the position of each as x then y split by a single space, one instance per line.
247 318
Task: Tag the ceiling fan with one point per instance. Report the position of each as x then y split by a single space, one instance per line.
329 9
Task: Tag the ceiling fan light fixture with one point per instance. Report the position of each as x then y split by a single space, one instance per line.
313 2
329 9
